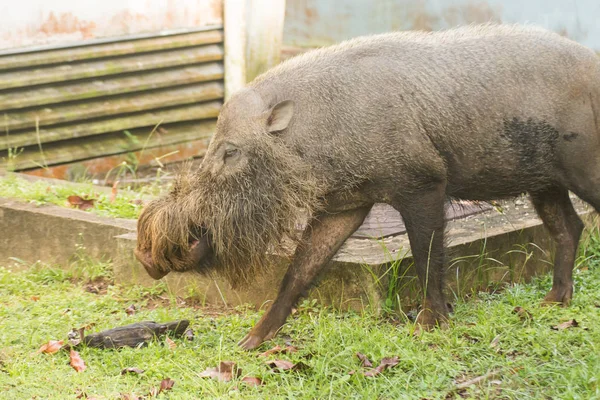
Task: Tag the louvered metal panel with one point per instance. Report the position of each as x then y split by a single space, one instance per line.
93 100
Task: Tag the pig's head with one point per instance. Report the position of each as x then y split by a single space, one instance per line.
247 195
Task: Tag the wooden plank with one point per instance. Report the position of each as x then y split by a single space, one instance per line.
111 86
114 143
111 66
182 113
119 48
69 112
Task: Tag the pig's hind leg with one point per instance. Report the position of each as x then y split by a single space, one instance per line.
323 237
560 218
422 209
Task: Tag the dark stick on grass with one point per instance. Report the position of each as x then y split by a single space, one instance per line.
134 335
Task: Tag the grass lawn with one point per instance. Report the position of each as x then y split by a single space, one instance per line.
520 357
125 204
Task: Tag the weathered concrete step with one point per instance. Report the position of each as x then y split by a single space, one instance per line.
111 66
114 143
484 248
104 107
109 86
118 48
95 127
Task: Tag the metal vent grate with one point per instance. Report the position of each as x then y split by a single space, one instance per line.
104 98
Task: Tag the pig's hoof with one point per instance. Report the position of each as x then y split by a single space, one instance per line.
558 297
250 342
429 320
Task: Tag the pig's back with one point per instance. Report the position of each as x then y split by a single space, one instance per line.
481 96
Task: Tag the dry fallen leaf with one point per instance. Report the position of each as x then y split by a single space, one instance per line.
278 349
81 203
76 362
522 313
172 344
385 363
35 298
476 380
271 351
51 347
568 324
132 370
284 365
495 341
224 372
364 360
252 381
130 310
130 396
166 384
81 394
113 192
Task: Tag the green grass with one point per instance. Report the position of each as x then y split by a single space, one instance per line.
531 360
125 205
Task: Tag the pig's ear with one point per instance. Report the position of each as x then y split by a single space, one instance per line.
280 116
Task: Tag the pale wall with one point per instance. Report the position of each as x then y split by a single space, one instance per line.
41 22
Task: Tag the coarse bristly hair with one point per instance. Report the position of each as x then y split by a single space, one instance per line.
247 213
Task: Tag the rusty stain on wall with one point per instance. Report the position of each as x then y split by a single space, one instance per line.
313 23
454 15
67 23
61 21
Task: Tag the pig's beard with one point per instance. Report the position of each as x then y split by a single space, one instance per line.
247 214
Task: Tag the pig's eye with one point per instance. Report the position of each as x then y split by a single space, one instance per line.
231 153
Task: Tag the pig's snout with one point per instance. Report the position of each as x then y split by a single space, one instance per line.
145 257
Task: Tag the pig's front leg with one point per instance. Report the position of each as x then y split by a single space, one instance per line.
322 238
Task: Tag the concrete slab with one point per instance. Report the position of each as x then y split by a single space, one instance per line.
483 248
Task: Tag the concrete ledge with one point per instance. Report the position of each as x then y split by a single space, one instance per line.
484 248
51 233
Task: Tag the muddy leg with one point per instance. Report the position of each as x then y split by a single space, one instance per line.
321 240
556 211
423 215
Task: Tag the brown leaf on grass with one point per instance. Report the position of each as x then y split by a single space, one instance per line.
385 363
523 314
81 203
364 360
130 310
51 347
252 381
568 324
277 350
172 345
476 380
495 341
76 361
166 384
132 370
284 365
131 396
113 192
225 372
35 298
82 394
